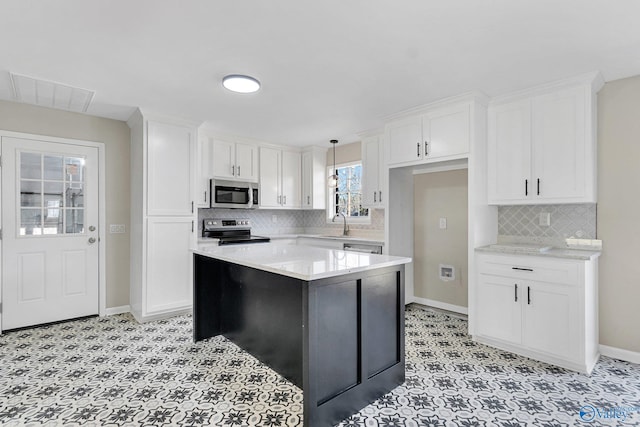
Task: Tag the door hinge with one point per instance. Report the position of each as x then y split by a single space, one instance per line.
0 161
0 233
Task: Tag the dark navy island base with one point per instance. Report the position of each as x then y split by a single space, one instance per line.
340 339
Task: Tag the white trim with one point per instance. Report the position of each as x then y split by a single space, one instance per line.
620 353
116 310
441 305
442 167
102 213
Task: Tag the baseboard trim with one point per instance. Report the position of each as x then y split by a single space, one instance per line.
620 353
117 310
442 305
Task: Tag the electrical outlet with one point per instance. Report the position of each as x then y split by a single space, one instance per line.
443 223
274 218
117 228
545 219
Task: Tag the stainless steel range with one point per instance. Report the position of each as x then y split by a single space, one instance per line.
231 231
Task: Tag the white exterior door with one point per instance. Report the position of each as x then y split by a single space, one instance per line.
50 248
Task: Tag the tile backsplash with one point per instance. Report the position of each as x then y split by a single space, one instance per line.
522 222
276 221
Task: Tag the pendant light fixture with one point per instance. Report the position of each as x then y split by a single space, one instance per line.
332 181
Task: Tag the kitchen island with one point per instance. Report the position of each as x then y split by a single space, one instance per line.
331 322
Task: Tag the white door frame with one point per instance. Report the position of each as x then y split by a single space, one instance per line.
102 275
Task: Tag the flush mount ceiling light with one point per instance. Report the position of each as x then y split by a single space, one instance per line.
241 84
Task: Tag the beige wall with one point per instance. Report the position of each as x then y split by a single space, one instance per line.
115 136
619 213
441 195
345 153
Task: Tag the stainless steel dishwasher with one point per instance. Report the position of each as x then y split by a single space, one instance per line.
369 248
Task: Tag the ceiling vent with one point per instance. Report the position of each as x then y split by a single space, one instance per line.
50 94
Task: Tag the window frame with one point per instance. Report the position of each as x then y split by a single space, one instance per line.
331 206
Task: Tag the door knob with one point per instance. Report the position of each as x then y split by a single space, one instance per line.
92 228
92 240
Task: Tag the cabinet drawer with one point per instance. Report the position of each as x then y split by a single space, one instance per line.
540 269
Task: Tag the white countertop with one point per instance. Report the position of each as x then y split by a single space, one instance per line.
301 262
543 251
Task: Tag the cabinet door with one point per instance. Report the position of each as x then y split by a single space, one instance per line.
270 166
499 308
560 146
370 172
291 177
307 180
246 162
405 140
169 169
204 153
446 132
509 148
224 155
169 261
550 319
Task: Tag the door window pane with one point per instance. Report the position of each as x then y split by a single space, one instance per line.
30 167
30 222
53 194
74 169
74 196
53 168
30 193
74 221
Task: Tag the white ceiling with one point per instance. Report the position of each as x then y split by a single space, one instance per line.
329 68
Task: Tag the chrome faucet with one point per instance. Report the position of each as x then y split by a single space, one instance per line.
345 231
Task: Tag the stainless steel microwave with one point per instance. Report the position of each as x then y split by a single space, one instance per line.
234 194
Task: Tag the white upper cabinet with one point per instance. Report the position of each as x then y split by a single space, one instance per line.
373 172
439 133
542 145
280 178
170 165
446 132
204 171
291 179
314 178
405 140
235 160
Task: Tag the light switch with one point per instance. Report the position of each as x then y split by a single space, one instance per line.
117 228
443 223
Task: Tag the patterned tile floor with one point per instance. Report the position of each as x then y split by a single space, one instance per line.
113 371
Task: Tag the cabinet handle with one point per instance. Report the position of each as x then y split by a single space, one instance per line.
526 187
308 200
380 196
238 170
192 226
205 197
418 144
285 200
426 148
375 197
516 293
528 295
191 206
279 200
233 170
521 269
538 186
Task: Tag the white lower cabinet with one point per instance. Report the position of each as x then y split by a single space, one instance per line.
540 307
169 265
